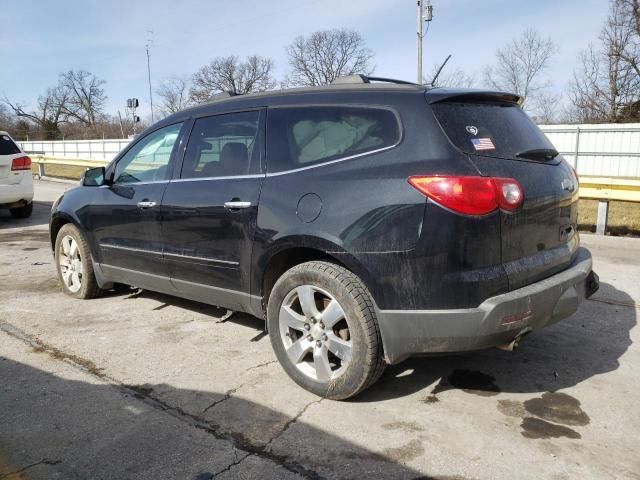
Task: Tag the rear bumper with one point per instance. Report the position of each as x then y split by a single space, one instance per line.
16 192
498 320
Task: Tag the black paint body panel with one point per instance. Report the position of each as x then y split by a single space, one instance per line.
410 253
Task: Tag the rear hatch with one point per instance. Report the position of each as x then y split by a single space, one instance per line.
8 151
539 238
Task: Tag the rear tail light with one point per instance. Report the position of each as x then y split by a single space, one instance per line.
21 163
471 195
575 174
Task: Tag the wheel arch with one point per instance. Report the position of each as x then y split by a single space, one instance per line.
58 220
287 254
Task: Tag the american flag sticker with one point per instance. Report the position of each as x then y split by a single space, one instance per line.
482 144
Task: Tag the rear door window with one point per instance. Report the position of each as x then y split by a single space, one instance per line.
8 146
223 146
495 129
305 136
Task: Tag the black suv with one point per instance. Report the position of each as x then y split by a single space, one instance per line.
366 221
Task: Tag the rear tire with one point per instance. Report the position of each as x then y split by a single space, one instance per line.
324 331
22 212
74 264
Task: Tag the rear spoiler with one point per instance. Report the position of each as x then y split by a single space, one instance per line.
436 95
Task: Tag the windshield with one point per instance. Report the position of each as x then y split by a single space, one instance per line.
495 129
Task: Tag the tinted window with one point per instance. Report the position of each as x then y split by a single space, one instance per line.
148 159
303 136
223 146
7 147
496 129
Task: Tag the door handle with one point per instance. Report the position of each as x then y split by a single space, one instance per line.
146 204
236 205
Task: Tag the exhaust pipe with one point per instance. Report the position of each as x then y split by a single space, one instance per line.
513 344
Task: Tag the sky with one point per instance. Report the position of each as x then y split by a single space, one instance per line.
40 39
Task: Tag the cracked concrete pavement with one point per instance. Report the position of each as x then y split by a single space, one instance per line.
143 385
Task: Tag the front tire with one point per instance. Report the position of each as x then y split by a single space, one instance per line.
74 265
324 331
22 212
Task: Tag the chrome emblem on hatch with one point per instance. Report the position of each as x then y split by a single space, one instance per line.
568 185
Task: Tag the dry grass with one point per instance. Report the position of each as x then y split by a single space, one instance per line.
61 171
624 217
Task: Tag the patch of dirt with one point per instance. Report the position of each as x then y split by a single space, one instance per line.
406 452
404 426
558 408
538 414
58 354
540 429
24 236
512 408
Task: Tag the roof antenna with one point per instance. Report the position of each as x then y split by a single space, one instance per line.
435 77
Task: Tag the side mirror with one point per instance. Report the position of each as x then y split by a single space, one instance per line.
93 177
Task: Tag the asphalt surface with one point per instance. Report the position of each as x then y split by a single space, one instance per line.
142 385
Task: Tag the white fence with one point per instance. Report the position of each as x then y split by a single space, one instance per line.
603 150
608 150
85 149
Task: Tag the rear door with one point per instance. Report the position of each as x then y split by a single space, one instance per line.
209 212
8 152
539 239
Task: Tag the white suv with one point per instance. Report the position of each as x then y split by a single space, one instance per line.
16 182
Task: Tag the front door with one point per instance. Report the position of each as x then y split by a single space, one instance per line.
124 216
209 212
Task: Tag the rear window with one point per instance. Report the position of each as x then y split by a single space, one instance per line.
304 136
494 129
7 146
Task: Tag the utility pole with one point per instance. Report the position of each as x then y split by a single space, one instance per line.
425 14
148 44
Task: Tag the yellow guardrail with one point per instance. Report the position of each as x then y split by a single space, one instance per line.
608 188
41 161
598 188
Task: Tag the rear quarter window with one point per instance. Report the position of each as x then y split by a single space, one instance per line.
493 129
8 146
303 136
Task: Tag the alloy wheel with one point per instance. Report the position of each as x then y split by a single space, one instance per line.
70 263
315 333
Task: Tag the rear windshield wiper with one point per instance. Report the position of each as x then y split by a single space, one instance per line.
538 154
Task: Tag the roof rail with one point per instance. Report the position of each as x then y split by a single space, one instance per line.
224 94
359 78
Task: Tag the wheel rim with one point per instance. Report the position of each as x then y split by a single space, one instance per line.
315 333
70 263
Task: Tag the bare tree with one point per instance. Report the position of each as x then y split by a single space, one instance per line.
606 86
231 74
174 94
521 64
456 78
326 55
85 97
78 97
6 119
546 107
49 113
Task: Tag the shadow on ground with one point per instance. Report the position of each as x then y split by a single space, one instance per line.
563 355
53 427
40 216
